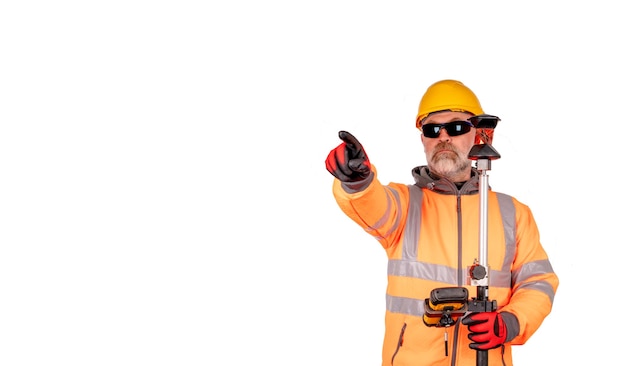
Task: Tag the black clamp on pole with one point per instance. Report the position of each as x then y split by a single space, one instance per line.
479 270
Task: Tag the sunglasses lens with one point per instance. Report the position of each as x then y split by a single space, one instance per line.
457 128
431 130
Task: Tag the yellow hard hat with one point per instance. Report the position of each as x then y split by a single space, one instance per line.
447 95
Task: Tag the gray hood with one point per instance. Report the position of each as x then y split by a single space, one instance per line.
424 178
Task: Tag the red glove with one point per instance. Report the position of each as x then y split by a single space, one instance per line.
348 162
487 330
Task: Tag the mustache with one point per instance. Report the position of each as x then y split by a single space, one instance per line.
444 146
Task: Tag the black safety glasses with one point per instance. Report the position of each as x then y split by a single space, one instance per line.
454 128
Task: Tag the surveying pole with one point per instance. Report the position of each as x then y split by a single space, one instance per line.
479 271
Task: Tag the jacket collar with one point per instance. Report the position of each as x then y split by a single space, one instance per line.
424 178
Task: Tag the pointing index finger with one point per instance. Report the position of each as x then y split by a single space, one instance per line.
349 139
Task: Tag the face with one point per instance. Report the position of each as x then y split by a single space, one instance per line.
447 155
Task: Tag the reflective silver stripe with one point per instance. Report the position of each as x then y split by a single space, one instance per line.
528 270
413 224
440 273
417 269
405 305
541 286
385 217
502 278
531 269
499 278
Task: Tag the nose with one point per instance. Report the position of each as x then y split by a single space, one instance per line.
443 135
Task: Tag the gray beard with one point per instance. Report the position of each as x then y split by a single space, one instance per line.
449 165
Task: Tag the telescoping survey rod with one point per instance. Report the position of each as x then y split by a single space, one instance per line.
479 271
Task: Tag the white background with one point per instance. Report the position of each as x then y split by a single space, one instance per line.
163 195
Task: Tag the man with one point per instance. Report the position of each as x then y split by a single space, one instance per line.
430 232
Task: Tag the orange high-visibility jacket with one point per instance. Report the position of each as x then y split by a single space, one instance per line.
430 231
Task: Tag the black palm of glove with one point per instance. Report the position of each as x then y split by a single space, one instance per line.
348 162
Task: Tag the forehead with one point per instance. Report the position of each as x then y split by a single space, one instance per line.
447 116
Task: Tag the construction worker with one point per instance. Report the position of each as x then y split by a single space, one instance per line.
430 232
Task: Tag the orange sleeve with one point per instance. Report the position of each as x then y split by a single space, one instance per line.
380 210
